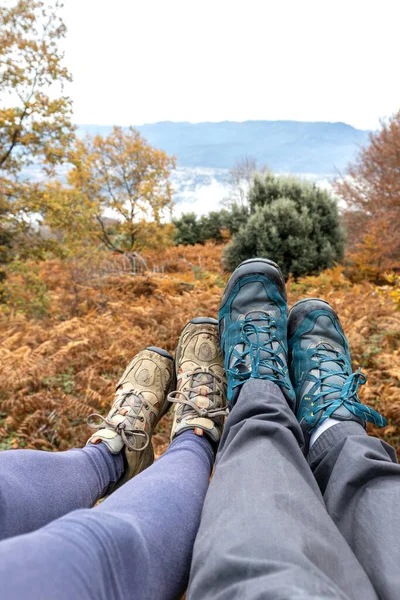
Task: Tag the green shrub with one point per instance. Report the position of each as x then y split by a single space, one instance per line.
291 221
187 229
191 229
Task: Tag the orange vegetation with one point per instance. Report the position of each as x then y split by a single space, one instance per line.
56 370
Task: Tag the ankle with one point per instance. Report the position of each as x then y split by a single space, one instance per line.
109 467
202 444
329 422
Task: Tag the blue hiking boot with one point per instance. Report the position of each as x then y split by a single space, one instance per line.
320 368
253 328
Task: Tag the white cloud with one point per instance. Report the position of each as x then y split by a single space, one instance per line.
206 198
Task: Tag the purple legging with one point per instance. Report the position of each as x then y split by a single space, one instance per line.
137 543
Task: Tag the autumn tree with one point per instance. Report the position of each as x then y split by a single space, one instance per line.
118 193
372 195
35 125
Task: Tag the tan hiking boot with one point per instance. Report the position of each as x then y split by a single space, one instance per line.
140 402
200 398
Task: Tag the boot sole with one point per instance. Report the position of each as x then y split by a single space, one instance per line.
255 266
160 351
292 313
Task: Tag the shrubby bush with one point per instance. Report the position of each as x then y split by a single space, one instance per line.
192 229
291 221
187 229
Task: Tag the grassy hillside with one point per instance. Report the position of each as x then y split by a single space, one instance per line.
95 315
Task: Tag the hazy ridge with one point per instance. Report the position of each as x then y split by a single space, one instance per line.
284 146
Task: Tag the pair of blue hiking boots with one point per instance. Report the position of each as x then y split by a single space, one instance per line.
305 353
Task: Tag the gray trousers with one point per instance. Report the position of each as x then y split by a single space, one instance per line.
276 525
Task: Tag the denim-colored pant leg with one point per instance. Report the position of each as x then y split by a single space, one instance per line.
265 532
359 478
138 543
37 487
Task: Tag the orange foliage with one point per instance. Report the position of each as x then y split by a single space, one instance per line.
369 258
372 195
55 371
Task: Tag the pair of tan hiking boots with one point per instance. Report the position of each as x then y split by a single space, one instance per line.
194 383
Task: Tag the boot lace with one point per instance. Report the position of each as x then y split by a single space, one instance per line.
126 429
186 398
250 337
348 391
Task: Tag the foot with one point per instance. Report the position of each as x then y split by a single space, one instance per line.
320 368
200 397
139 403
252 327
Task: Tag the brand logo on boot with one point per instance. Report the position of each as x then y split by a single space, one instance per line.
144 377
206 352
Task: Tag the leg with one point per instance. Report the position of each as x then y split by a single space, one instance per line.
137 543
360 480
358 475
38 487
265 532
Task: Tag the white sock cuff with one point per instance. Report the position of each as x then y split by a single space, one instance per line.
321 428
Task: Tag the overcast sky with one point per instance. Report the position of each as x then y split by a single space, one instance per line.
142 61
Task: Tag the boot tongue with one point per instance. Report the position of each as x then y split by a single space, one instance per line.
125 391
131 405
329 352
257 318
201 384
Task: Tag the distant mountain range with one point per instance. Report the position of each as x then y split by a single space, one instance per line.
284 146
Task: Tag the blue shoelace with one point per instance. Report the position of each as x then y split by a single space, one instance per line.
250 337
348 394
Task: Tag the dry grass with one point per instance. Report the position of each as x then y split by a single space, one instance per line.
56 370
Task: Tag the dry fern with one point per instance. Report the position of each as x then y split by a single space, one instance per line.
55 371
